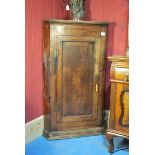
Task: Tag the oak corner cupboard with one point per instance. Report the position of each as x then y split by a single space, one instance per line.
119 99
73 69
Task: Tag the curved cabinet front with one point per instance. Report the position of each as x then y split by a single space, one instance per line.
118 124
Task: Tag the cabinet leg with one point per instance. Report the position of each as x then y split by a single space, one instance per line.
109 137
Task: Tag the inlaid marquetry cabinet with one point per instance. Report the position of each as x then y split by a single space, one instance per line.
119 99
74 65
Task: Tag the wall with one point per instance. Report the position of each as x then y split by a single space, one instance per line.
36 12
117 13
113 11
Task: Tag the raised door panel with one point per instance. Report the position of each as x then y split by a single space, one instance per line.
77 81
121 107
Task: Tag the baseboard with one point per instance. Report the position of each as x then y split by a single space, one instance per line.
34 129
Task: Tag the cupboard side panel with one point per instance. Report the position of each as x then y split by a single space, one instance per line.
46 74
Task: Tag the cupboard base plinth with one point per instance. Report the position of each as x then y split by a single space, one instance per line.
72 133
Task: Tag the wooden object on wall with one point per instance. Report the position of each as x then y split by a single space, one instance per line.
119 99
74 65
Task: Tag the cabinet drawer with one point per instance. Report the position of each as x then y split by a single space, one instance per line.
121 74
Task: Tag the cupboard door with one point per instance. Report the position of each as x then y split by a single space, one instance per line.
77 76
121 107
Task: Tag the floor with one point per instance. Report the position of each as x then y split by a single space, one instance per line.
92 145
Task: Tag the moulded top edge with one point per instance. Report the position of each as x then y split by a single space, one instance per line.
77 22
118 58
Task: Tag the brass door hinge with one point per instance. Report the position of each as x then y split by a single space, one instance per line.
55 60
49 99
56 107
